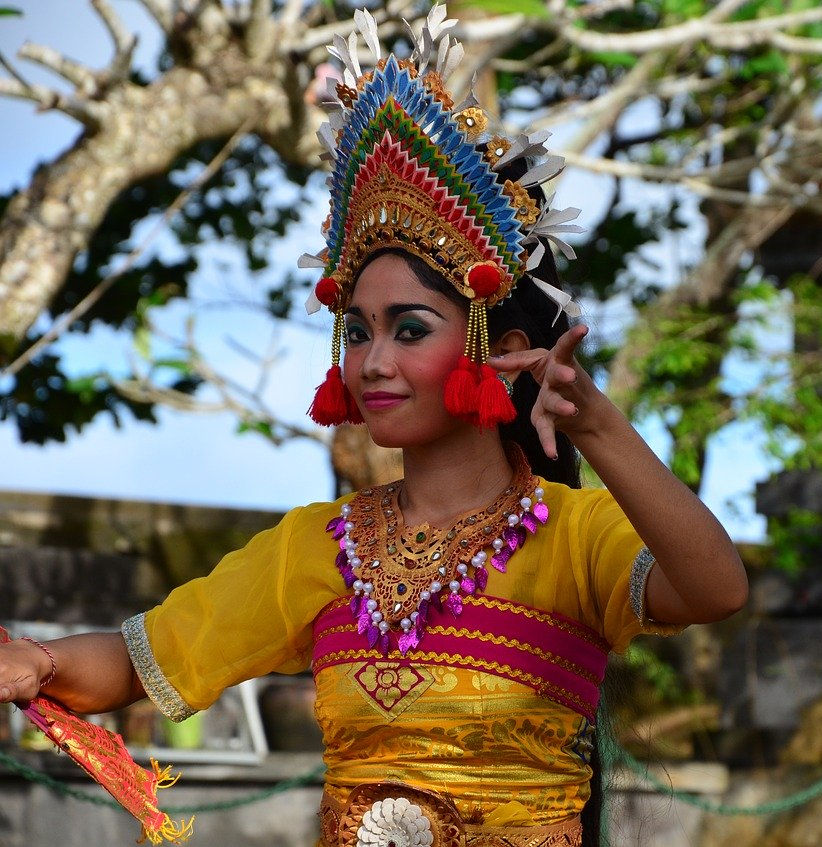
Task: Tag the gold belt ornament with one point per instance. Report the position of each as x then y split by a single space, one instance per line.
392 814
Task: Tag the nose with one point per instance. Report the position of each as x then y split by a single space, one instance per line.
378 362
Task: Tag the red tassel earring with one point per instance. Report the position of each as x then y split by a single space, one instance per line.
333 402
473 392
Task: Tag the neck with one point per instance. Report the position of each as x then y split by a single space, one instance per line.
453 476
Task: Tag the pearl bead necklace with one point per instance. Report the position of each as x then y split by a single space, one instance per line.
531 513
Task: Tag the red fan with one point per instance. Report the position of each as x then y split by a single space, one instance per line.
104 757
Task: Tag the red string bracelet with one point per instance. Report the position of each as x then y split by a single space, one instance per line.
50 678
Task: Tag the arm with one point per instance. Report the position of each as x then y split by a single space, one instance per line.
700 577
94 672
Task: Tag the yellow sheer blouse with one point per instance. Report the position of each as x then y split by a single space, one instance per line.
505 755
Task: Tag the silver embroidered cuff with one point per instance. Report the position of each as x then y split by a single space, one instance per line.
162 693
640 569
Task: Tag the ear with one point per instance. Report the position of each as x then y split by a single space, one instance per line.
513 341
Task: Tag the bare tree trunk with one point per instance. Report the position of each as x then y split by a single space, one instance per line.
133 132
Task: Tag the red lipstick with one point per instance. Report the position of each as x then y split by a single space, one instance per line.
381 399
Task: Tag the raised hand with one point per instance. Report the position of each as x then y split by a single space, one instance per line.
567 394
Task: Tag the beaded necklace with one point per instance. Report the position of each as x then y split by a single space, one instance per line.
398 573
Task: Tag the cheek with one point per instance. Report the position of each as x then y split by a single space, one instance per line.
434 368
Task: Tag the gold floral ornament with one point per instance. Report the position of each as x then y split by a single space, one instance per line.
472 121
497 148
433 82
346 94
526 209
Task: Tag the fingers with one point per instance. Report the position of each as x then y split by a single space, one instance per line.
538 359
19 679
14 692
547 435
568 342
523 360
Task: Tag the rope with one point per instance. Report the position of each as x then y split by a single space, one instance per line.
784 804
60 787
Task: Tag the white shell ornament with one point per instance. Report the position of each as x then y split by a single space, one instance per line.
394 823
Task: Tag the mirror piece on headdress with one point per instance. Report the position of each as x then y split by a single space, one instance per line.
442 53
413 38
564 246
436 21
426 46
352 52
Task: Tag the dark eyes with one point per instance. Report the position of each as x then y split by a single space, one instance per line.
406 331
355 334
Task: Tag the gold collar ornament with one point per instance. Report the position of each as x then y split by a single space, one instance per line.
398 573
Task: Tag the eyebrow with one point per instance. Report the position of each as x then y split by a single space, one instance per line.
396 309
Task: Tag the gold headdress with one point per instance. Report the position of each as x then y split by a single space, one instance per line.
407 173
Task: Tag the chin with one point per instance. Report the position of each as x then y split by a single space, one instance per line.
407 434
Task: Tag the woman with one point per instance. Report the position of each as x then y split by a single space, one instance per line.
457 621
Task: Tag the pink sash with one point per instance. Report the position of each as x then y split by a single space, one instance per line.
560 658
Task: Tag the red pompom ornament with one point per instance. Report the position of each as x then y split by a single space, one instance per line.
327 291
330 406
461 390
494 406
484 280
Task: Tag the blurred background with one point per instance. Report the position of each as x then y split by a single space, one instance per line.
159 177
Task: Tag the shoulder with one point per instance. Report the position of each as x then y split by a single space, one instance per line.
565 502
314 517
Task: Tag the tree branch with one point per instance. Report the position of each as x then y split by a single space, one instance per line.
610 105
703 183
162 11
733 35
78 75
124 41
65 321
260 29
89 113
603 7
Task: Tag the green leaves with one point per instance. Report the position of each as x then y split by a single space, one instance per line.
531 8
10 11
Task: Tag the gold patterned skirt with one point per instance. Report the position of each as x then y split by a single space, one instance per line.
392 814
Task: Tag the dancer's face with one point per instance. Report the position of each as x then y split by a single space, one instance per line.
403 342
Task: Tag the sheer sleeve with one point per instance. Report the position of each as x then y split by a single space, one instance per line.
612 566
250 616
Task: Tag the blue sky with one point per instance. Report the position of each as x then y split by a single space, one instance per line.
199 458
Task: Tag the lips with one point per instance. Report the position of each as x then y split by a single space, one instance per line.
381 399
